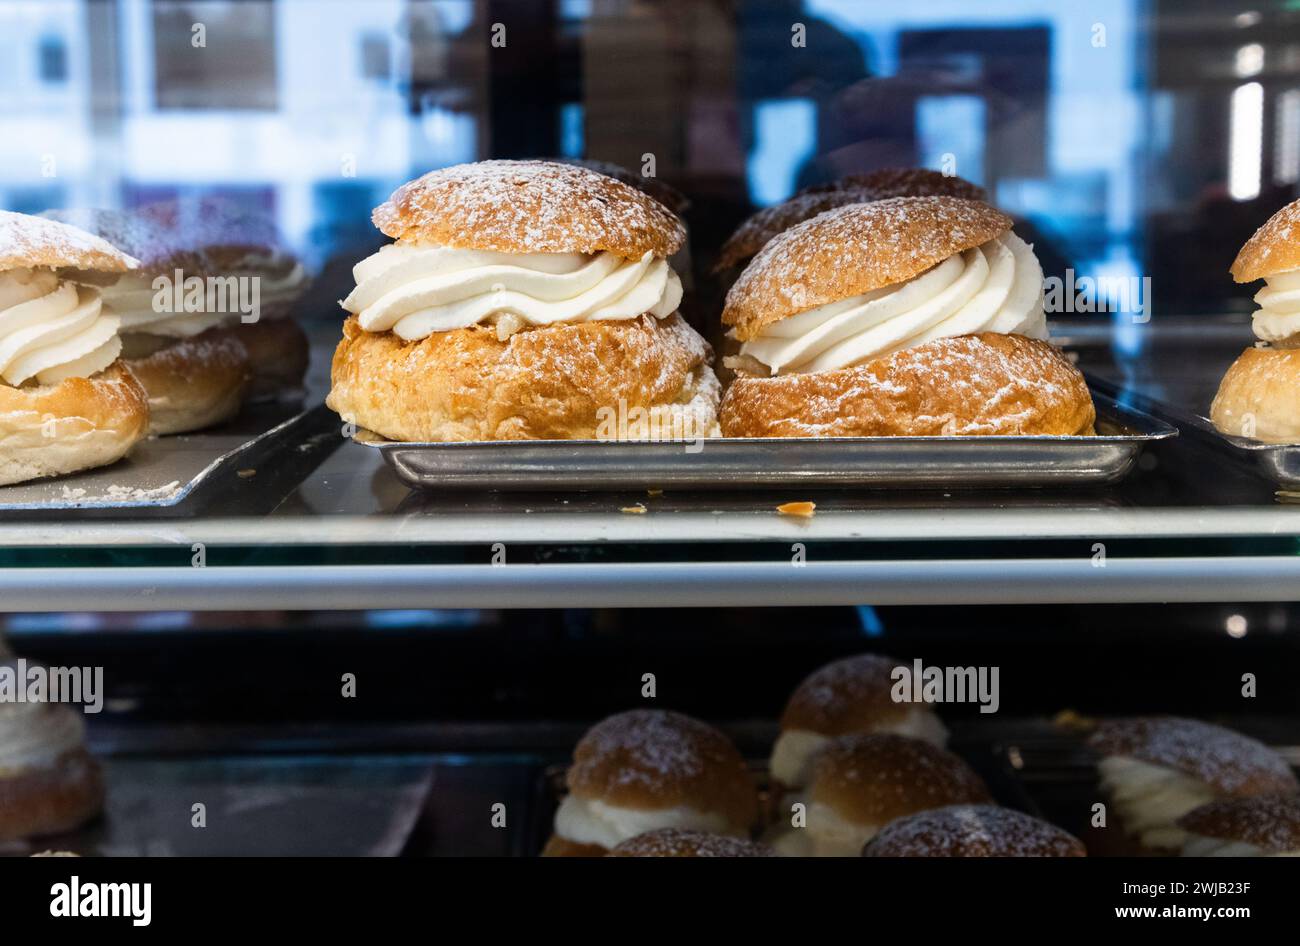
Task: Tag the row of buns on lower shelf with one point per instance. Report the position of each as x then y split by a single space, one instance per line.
853 772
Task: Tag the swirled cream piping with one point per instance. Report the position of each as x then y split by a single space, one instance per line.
1278 315
133 299
52 329
995 287
282 278
1151 798
415 291
34 735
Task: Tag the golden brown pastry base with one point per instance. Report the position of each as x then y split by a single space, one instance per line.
551 383
77 424
1259 396
194 382
971 385
37 802
277 356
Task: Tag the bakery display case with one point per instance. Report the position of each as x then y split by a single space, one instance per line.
803 428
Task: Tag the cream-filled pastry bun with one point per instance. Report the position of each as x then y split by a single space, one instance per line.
1259 396
186 354
846 696
759 229
522 300
1260 826
679 842
66 401
246 245
973 831
645 770
1155 769
862 782
913 316
49 783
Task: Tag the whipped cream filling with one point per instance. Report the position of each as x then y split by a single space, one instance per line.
133 299
995 287
1278 315
35 735
415 290
591 821
793 751
283 278
52 329
1196 845
1150 798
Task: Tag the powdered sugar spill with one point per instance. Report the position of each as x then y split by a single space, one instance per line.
122 494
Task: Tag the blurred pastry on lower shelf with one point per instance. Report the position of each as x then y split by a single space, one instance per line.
845 696
973 831
644 770
1259 826
49 782
862 782
676 842
1155 769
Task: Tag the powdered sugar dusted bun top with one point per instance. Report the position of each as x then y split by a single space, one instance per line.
675 842
1274 248
515 245
156 246
853 250
656 759
666 194
28 242
758 230
1270 823
847 695
873 778
903 182
973 831
1230 763
529 207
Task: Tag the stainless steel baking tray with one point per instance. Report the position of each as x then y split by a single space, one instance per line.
162 473
877 462
1279 462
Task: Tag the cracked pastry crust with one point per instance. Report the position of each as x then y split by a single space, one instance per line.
550 383
970 385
